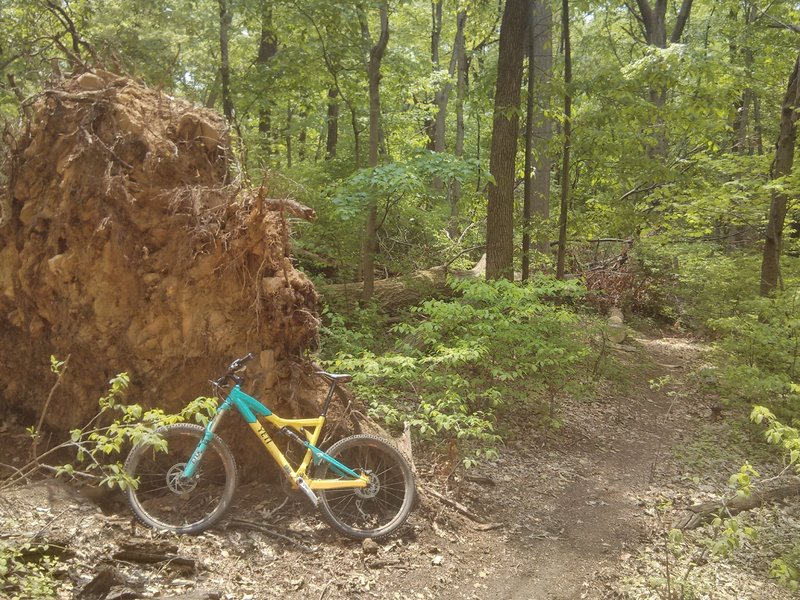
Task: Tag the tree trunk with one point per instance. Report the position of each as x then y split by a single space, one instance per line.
288 135
654 22
436 34
225 19
505 126
374 77
356 137
527 175
301 138
538 131
332 138
460 51
784 157
562 215
211 97
267 48
542 123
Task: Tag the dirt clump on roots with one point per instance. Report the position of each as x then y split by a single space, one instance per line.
128 243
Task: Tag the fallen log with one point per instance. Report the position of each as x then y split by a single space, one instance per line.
394 293
701 513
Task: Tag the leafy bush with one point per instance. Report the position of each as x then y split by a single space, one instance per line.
759 352
111 432
462 359
27 571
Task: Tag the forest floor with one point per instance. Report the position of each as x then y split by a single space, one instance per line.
578 513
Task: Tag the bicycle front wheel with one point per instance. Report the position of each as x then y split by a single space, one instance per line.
163 499
384 505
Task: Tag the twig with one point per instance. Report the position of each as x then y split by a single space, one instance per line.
456 505
53 389
271 532
324 590
20 474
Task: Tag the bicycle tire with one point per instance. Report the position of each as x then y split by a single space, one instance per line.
376 511
163 502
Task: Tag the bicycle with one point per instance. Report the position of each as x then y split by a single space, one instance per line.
186 475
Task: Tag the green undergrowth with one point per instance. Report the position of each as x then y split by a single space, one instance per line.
27 571
753 368
454 365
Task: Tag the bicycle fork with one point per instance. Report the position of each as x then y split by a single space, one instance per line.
190 469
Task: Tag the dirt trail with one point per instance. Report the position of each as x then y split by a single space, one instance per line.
593 521
572 511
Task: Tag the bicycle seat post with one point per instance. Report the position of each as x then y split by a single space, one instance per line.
333 380
328 398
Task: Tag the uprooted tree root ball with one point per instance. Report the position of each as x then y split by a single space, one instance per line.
127 243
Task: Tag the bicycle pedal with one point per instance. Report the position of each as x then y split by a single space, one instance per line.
301 483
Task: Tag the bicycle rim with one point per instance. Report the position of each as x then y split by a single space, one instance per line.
382 507
164 501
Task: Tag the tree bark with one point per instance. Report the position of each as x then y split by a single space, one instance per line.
784 157
332 138
502 158
527 175
562 216
376 53
301 137
543 124
288 135
225 20
436 34
267 49
538 130
460 51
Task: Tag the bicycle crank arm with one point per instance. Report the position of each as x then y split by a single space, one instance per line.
301 483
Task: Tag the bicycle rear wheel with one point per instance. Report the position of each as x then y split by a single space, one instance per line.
384 505
165 501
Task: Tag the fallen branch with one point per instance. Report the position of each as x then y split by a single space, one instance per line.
701 513
453 504
292 207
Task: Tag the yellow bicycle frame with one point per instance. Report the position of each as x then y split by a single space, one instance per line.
310 429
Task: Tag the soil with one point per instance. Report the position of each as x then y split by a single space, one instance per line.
577 513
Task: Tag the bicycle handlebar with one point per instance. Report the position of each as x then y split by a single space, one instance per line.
235 366
239 363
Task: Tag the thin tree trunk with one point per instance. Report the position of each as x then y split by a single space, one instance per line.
225 20
436 34
562 216
211 98
301 138
542 122
288 136
527 176
654 21
759 141
374 76
502 159
267 48
784 157
356 137
332 138
460 50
